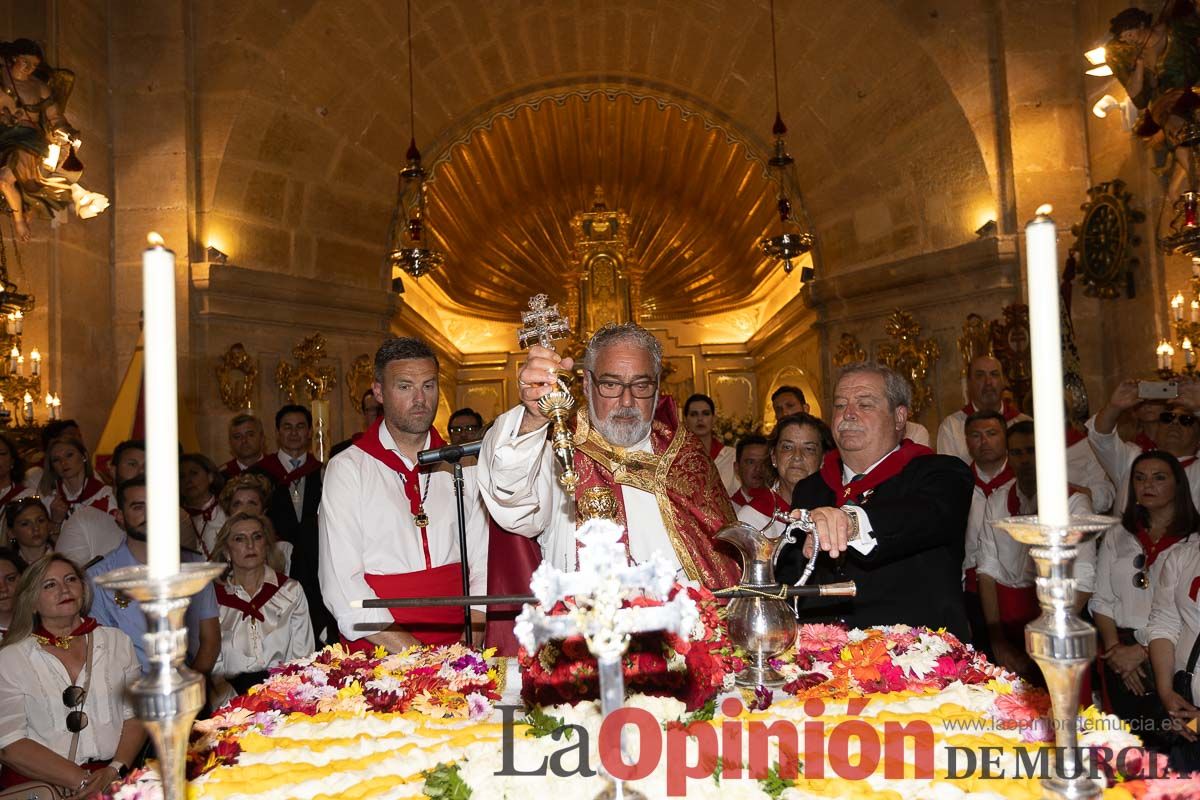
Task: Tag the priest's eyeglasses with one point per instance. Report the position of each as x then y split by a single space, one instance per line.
642 390
73 697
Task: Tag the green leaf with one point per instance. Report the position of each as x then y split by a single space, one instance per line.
718 768
702 714
444 783
542 724
773 784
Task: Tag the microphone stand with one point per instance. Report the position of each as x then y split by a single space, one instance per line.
453 456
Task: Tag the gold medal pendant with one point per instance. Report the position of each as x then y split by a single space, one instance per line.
421 519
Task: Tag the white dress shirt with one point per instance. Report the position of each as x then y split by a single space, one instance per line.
88 533
31 689
1083 469
1007 561
518 478
978 516
248 645
758 520
952 435
726 462
1174 608
367 528
864 542
917 432
1116 596
1116 457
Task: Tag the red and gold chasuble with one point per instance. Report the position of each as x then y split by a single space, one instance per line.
433 626
683 479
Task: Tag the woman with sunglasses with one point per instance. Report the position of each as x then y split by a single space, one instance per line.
64 715
1159 514
264 613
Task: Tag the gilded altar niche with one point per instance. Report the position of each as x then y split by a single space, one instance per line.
604 284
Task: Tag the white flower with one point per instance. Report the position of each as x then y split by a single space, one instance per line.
916 662
855 635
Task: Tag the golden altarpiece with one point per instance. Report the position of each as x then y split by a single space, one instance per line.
604 284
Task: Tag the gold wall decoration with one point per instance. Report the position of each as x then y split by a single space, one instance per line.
1010 344
308 379
976 341
359 378
910 356
604 285
849 351
237 378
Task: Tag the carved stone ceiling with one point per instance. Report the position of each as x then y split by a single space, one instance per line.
501 203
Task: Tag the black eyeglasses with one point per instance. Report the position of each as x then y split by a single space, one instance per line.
73 697
1139 578
1186 420
642 390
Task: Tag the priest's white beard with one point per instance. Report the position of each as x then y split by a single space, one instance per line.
623 427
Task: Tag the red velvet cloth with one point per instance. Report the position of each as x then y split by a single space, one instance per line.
1018 607
512 558
9 777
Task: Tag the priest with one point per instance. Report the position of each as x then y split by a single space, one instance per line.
389 527
629 440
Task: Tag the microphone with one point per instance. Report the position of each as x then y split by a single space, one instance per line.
450 453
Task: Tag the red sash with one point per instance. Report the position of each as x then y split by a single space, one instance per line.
715 448
1145 442
86 626
1151 548
1187 462
273 467
369 443
971 580
890 467
12 492
231 468
1004 476
765 501
90 489
1007 410
207 512
250 609
433 626
1075 436
1018 607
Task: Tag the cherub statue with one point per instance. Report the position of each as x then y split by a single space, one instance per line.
38 165
1158 63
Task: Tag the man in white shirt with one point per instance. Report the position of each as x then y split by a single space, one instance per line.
1006 572
752 456
987 442
628 441
90 533
246 442
388 527
985 389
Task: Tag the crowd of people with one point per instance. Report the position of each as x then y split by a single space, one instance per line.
304 542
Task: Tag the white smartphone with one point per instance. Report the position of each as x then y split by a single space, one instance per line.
1158 390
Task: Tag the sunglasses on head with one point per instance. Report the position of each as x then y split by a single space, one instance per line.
1186 420
73 697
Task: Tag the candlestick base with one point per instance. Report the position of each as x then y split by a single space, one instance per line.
167 698
1061 643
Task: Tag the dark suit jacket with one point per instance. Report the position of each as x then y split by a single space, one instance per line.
914 574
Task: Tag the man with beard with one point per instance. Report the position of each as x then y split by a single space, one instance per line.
985 390
890 513
389 527
120 611
627 440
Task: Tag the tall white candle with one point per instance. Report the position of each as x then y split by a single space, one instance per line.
162 424
1041 264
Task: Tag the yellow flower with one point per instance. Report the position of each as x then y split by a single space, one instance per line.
353 690
999 687
845 655
380 651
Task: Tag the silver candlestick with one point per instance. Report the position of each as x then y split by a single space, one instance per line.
1061 643
168 696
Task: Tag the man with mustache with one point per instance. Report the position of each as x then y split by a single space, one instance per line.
890 514
985 392
389 527
628 440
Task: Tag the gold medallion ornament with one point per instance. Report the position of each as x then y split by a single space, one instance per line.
598 502
421 519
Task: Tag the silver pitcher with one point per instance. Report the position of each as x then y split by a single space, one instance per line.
763 626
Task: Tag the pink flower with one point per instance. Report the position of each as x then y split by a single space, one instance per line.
820 637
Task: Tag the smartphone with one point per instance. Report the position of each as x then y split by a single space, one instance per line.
1158 390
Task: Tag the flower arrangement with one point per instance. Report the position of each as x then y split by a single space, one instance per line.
728 430
655 664
447 682
833 661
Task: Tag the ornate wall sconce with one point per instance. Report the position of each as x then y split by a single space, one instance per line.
911 356
237 378
849 351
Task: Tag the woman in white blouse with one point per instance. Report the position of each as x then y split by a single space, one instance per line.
200 484
28 526
796 447
64 714
264 616
1159 514
10 573
69 482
